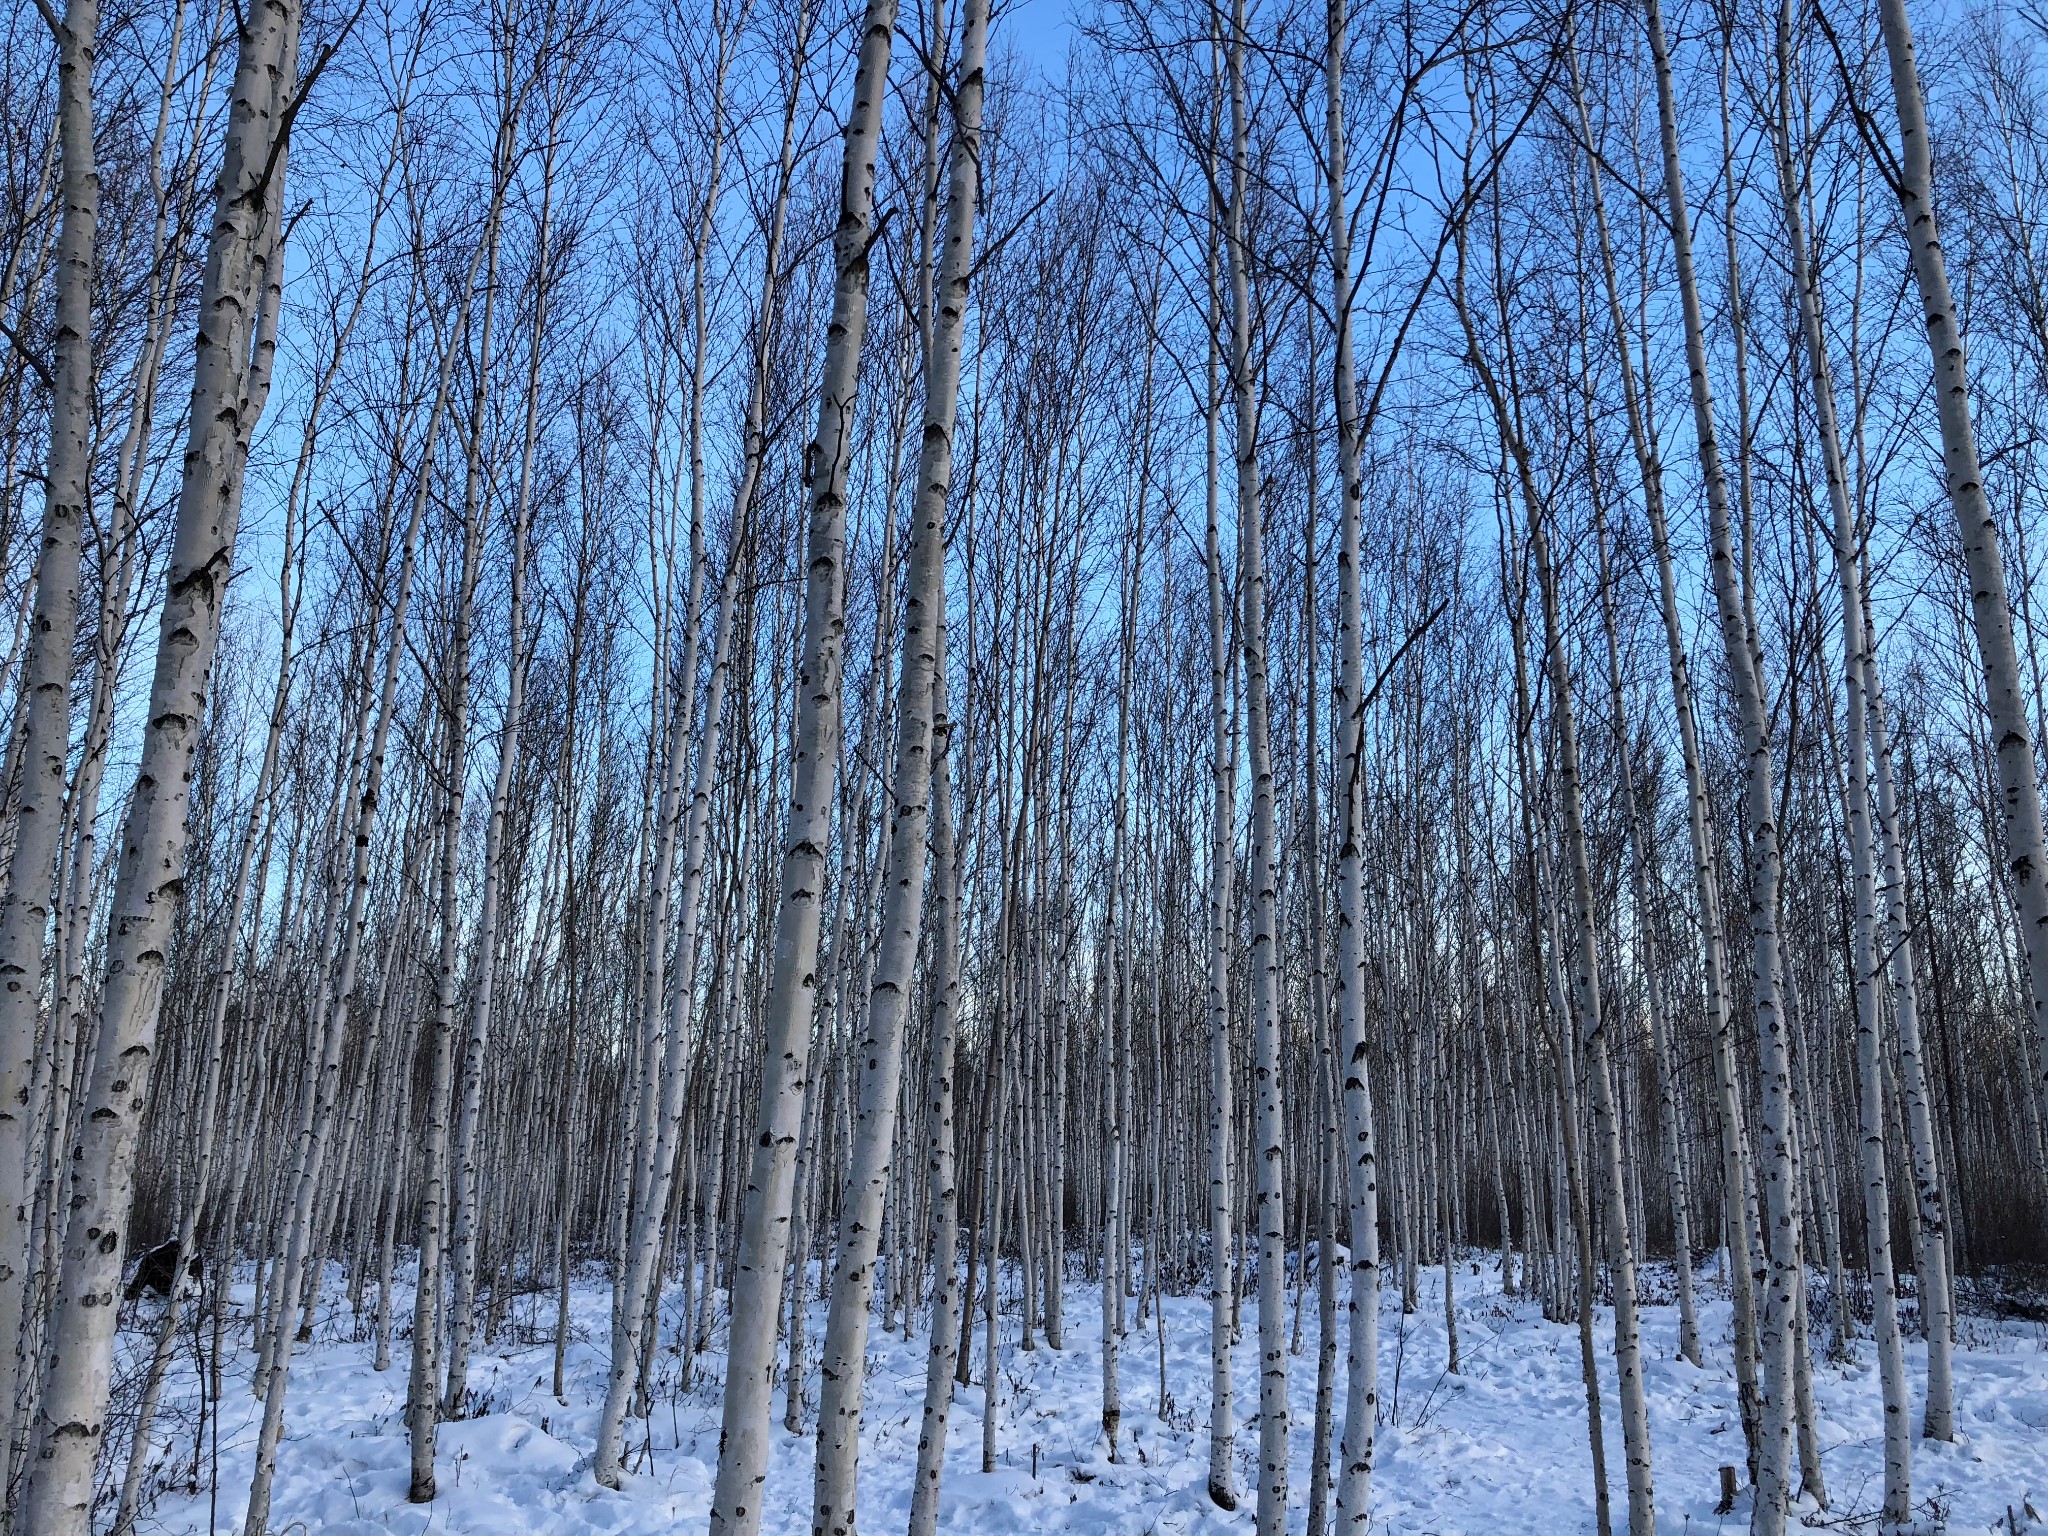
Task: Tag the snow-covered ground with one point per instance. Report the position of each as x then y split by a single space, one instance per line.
1498 1449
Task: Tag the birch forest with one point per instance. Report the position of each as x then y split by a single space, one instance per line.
1162 766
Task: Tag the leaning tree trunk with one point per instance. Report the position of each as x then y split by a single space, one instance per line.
231 371
333 1006
664 1080
842 1364
484 970
1546 959
786 1024
1635 1419
423 1381
1644 866
262 819
1990 607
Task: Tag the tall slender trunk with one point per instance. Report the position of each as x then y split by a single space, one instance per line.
843 1361
1547 959
1858 665
1222 855
335 994
1780 1167
424 1381
483 971
79 885
1590 1031
650 1073
262 817
1347 790
664 1084
764 1233
45 742
1643 865
942 1166
992 1282
1932 1249
1706 880
2019 791
1270 1201
239 298
1117 931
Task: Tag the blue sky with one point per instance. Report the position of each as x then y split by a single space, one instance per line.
1039 29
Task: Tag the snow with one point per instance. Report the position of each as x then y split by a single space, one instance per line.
1498 1448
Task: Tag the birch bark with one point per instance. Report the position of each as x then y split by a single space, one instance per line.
843 1361
2019 790
45 741
1932 1251
1643 866
262 815
1706 880
1222 857
1269 1202
665 1085
1780 1166
423 1385
1347 791
764 1235
1585 969
943 1356
238 304
483 971
1858 665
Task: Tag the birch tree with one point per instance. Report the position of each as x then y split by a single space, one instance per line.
230 386
2019 787
1779 1161
46 729
881 1050
757 1287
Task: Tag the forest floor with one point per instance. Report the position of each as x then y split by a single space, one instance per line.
1497 1449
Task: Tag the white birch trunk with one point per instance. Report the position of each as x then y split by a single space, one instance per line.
1780 1167
664 1086
1222 855
1706 883
484 970
424 1379
843 1359
1938 1422
262 816
230 384
1585 969
1269 1206
943 1355
1643 867
45 742
1361 1172
764 1233
2019 790
1858 665
1120 921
